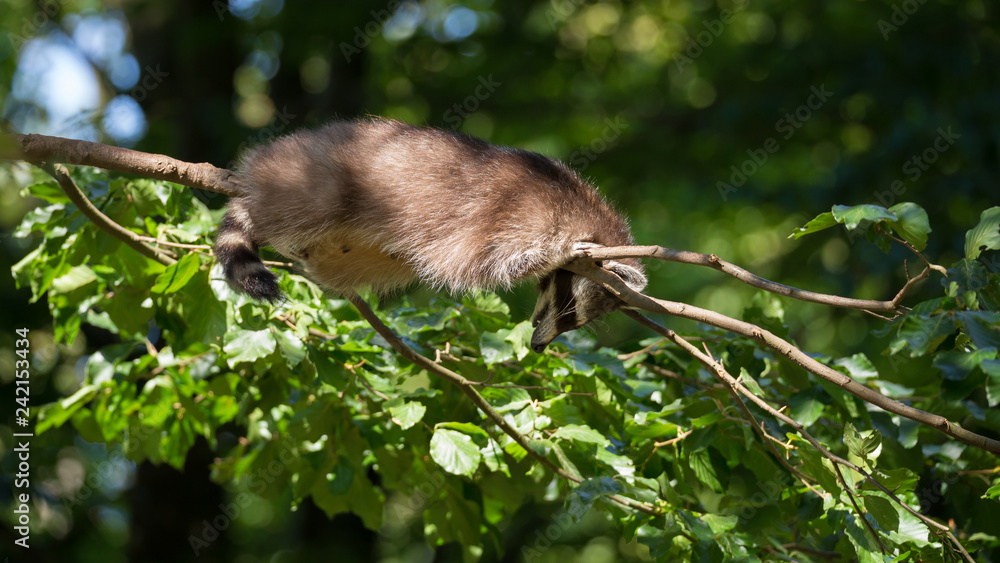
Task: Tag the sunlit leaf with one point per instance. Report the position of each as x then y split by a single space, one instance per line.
455 452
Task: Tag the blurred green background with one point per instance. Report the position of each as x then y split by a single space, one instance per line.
716 126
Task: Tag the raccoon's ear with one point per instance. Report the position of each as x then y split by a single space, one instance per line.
633 277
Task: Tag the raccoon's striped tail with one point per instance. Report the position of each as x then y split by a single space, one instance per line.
236 250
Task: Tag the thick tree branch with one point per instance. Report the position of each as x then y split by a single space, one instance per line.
638 300
468 388
714 262
102 221
42 148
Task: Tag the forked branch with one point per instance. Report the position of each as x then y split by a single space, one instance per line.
716 263
104 222
637 300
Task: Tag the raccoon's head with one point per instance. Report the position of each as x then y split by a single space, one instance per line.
567 301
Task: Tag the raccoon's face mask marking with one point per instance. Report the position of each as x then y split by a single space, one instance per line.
567 301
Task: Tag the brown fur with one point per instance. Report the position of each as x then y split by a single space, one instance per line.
455 210
410 203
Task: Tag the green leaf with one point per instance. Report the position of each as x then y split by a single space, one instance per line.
644 425
720 524
911 529
478 435
864 545
507 399
75 278
292 348
912 224
750 383
922 334
994 491
40 219
701 464
820 222
967 275
859 367
956 366
982 327
861 447
581 433
340 478
54 415
407 414
520 339
854 216
455 452
495 348
248 345
49 191
820 468
992 370
805 407
898 481
177 275
707 420
985 235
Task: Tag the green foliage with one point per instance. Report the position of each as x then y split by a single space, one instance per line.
322 403
907 220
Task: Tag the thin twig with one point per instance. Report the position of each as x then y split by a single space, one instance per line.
158 242
940 269
630 355
909 284
857 509
101 220
671 441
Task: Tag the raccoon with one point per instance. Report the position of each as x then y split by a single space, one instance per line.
379 203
